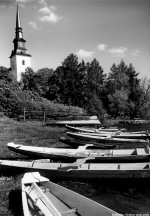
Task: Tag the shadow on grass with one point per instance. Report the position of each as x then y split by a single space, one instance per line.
15 202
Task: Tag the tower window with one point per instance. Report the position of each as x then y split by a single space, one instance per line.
23 62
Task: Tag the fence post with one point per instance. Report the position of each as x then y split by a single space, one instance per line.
24 113
44 117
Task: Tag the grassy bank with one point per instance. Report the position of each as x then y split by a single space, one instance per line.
28 133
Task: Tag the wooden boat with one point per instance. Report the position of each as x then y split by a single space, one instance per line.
75 143
43 197
104 139
94 130
74 122
120 135
123 155
82 168
113 131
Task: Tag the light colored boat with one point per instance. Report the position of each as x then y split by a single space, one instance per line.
82 168
43 197
120 135
94 130
79 122
137 154
105 139
112 130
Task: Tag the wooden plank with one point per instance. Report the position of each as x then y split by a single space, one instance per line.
38 202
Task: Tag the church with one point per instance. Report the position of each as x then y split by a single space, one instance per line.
20 58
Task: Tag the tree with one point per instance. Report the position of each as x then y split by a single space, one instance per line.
95 80
41 79
5 74
118 91
27 80
143 108
66 82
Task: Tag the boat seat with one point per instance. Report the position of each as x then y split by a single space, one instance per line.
71 212
61 206
141 151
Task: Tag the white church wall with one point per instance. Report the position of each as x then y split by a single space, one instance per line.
18 65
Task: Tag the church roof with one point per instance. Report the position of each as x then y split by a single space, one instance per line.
19 33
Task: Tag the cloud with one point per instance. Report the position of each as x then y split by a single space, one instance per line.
49 15
135 52
119 51
33 24
85 54
102 47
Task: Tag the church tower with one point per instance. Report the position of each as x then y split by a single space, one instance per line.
20 58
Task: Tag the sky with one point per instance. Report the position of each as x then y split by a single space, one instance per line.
108 30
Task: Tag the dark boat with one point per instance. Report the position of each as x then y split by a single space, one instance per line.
75 143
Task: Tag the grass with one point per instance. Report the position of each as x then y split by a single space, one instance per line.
28 133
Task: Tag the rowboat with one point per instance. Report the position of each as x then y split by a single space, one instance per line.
43 197
120 135
82 168
137 154
94 130
74 122
104 139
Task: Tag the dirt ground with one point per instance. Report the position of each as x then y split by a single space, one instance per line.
122 196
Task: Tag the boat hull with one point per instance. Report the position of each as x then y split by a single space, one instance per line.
56 200
101 139
85 171
71 155
118 145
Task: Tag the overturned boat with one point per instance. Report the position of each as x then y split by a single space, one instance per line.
43 197
123 155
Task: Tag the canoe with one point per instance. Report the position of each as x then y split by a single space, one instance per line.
123 155
74 122
75 143
93 130
120 135
103 139
82 168
43 197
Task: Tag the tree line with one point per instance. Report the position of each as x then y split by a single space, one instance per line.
119 93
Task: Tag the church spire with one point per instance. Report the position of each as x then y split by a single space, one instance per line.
19 33
20 58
